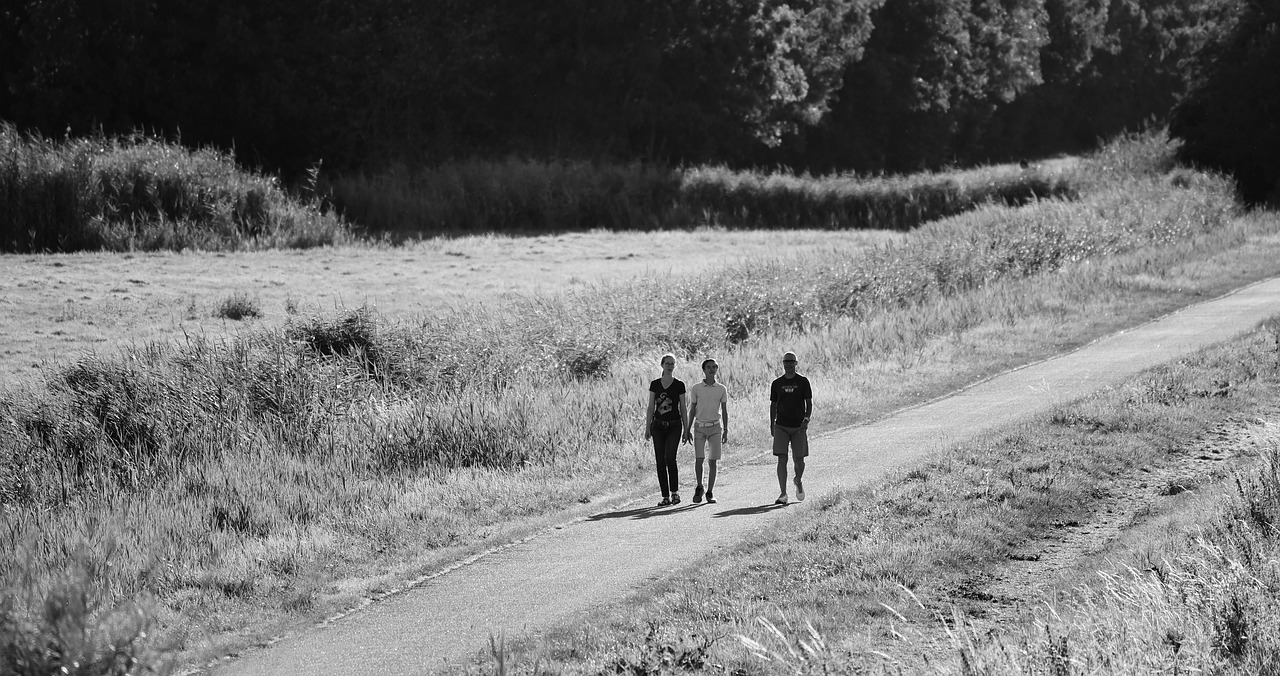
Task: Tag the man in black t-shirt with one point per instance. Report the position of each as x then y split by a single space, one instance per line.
790 405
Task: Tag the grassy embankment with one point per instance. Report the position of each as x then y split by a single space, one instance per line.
296 471
878 580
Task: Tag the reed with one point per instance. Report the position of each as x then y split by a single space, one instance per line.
141 193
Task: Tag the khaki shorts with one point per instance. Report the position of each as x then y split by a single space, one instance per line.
708 440
797 437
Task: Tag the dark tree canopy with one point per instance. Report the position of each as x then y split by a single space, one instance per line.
1230 120
821 84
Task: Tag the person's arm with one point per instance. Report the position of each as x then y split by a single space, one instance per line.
688 422
684 414
808 403
648 415
773 416
724 415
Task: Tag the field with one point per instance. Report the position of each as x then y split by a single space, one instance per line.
60 306
236 482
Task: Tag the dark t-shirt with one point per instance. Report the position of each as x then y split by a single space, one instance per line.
790 394
667 403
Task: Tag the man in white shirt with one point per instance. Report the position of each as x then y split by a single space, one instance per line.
707 426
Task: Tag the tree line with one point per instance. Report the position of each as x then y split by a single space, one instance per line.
866 85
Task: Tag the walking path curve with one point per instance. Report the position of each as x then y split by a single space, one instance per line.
545 580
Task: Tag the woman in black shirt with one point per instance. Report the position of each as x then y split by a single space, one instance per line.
664 423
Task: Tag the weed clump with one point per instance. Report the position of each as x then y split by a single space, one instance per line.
239 306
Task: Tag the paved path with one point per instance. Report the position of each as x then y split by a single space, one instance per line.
549 578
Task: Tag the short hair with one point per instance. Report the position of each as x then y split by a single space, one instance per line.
664 358
709 361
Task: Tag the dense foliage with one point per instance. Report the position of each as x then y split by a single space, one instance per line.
821 84
1231 119
138 193
297 80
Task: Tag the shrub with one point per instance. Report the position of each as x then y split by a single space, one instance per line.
74 627
142 193
239 306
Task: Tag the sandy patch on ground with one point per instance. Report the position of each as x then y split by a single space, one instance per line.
57 307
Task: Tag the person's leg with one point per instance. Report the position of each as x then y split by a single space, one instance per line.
658 434
799 480
782 476
715 446
699 449
799 451
673 468
780 440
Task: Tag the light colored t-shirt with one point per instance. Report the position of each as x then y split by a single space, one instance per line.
708 399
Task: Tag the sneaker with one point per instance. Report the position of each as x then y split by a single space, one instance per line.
675 498
697 493
799 493
665 501
710 498
782 500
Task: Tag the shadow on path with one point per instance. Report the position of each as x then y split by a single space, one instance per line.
747 511
641 513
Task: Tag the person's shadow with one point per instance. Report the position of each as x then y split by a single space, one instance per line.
641 513
748 511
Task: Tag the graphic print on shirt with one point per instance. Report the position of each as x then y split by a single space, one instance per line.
665 405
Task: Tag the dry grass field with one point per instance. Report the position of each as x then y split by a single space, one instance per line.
56 307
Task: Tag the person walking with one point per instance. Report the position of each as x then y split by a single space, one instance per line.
663 422
790 406
707 426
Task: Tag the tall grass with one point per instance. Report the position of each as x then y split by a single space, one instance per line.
231 468
140 193
533 196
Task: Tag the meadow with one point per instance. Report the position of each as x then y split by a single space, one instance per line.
59 307
235 486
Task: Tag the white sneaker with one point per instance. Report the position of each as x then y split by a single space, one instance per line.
799 493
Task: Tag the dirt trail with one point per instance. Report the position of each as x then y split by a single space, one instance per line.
1051 562
550 578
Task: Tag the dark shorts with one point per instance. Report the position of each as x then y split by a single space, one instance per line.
796 437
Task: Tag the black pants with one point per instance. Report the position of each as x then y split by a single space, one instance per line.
666 441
